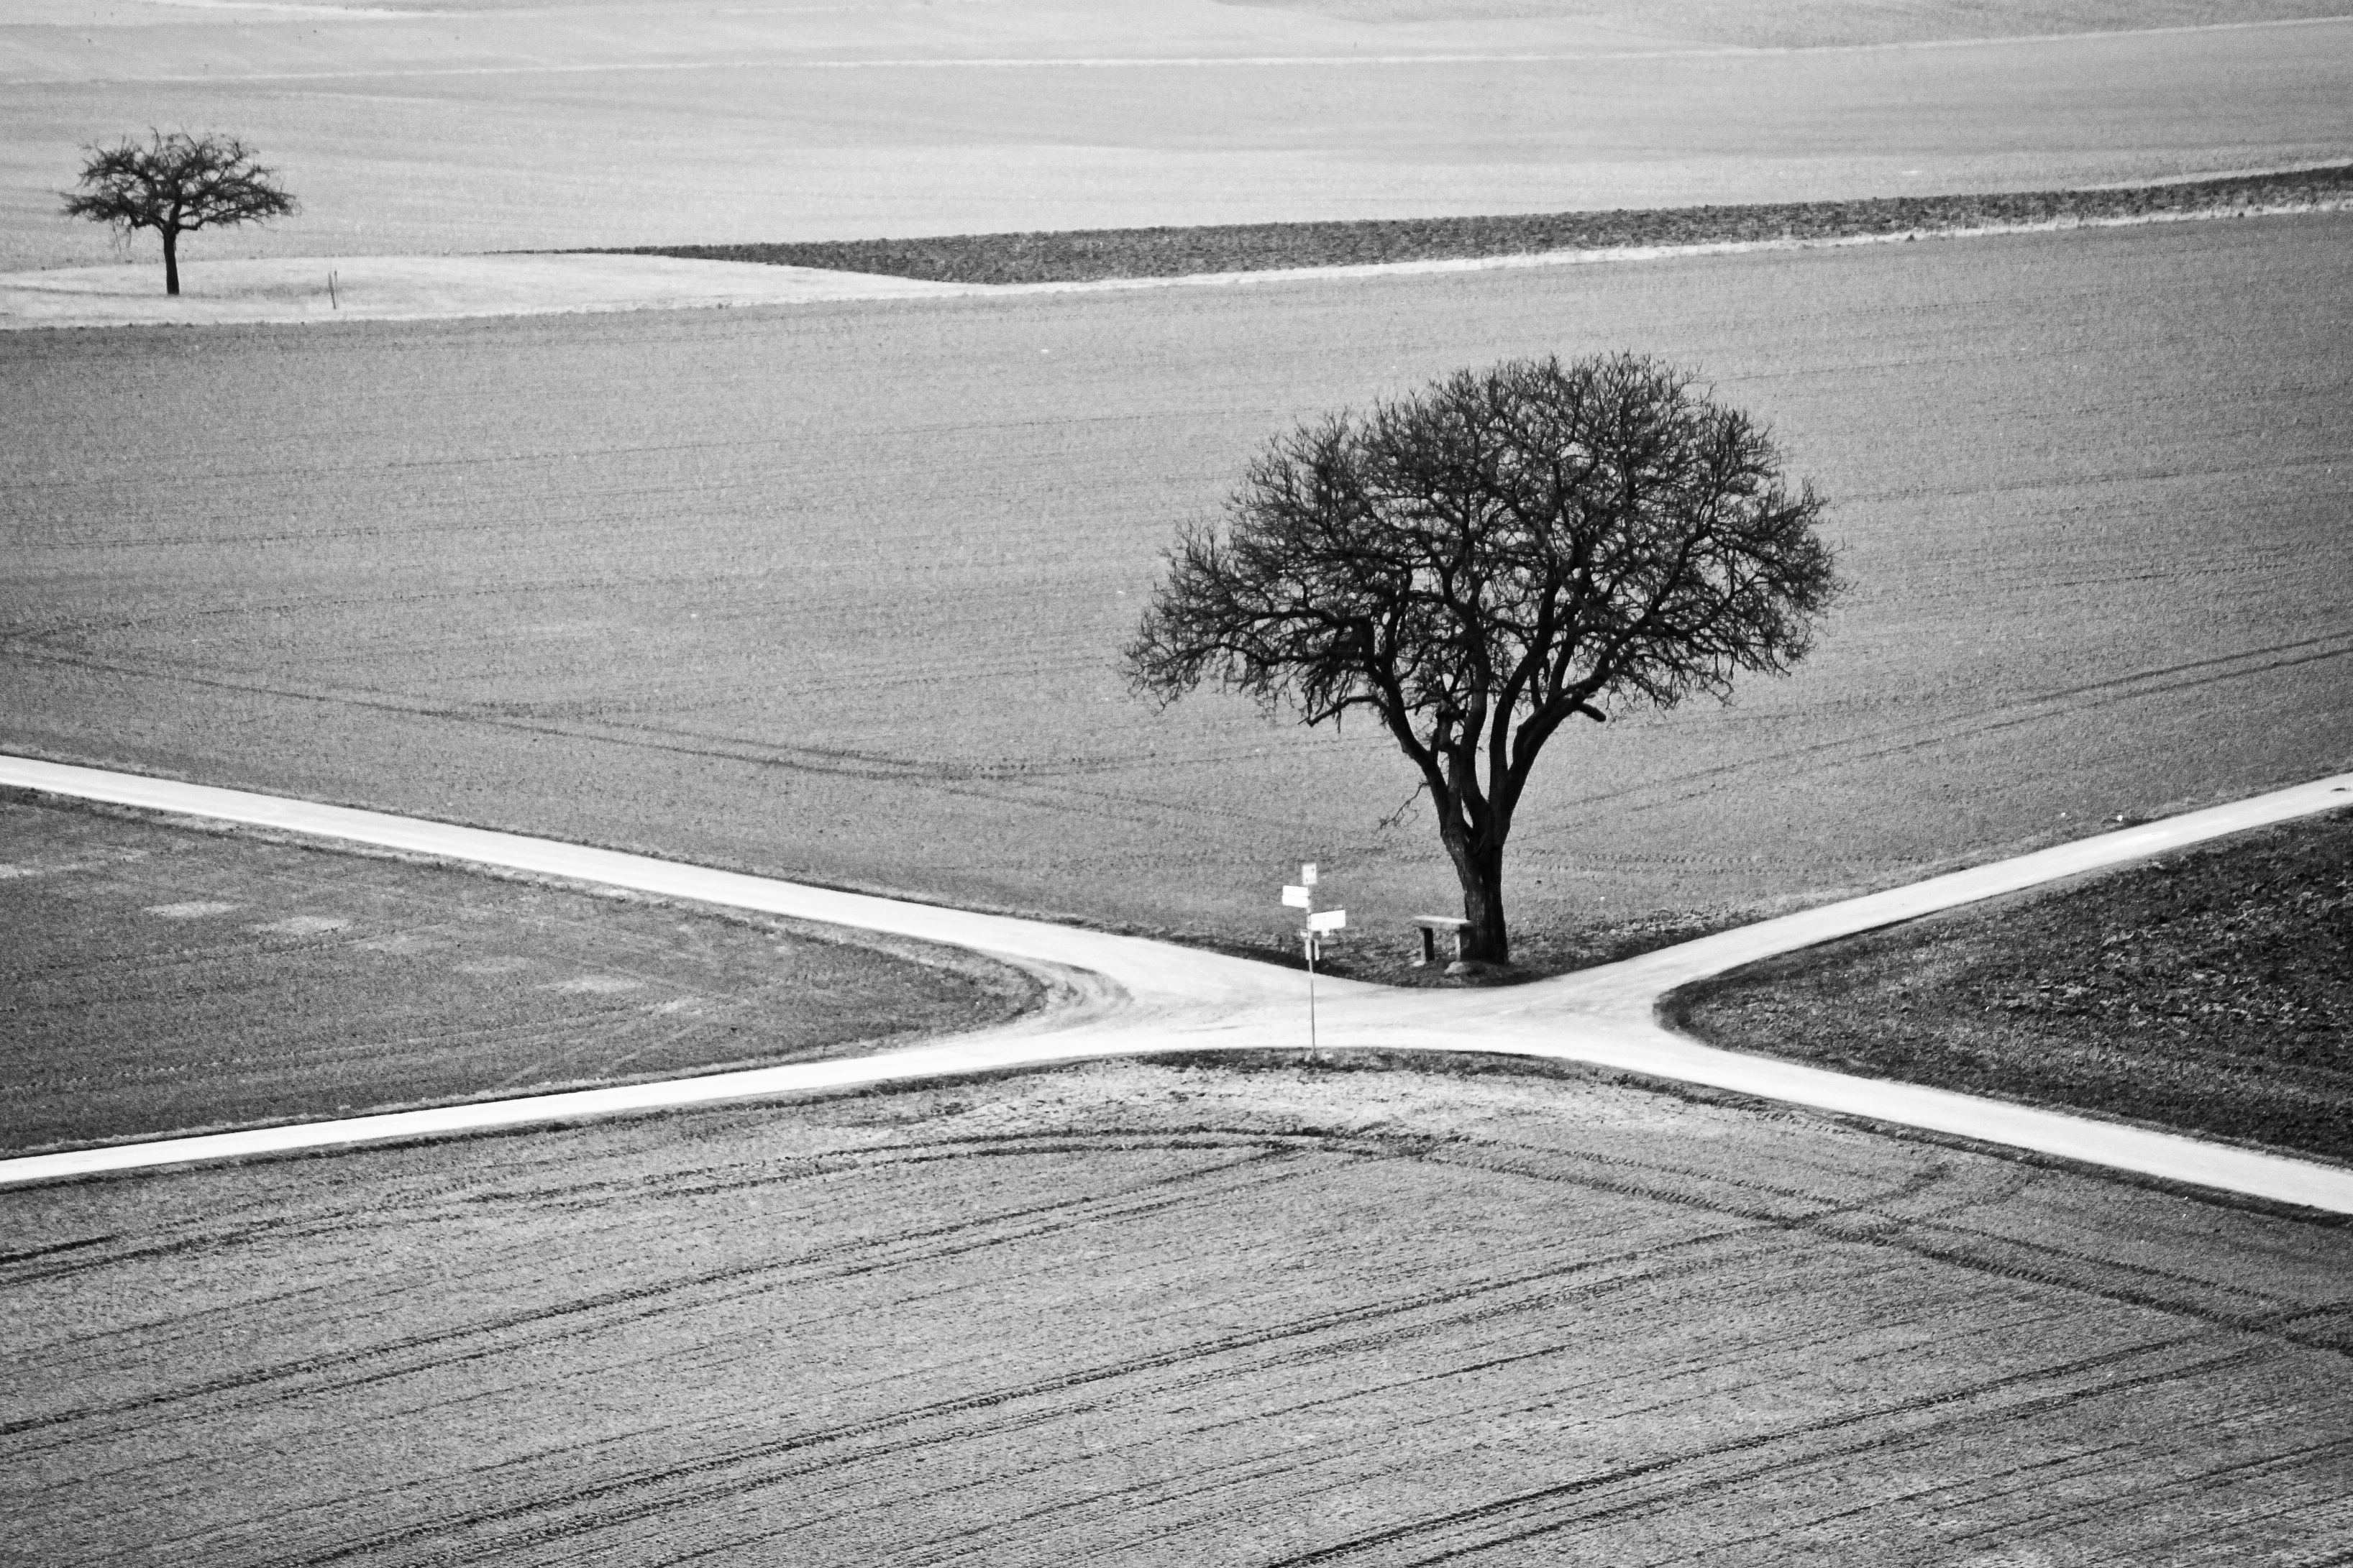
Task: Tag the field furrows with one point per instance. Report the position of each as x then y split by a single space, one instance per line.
1107 254
837 592
1140 1314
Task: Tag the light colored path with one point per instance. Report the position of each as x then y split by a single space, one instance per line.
249 290
1117 996
235 289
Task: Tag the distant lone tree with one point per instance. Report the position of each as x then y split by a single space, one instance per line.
1482 562
173 185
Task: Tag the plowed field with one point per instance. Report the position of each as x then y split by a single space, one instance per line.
432 127
836 592
1093 255
161 979
1147 1316
2210 991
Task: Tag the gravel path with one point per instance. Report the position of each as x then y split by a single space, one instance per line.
1115 995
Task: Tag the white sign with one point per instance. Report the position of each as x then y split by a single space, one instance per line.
1298 898
1330 920
1307 873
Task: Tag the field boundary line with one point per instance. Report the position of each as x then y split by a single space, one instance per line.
833 286
1603 255
1156 998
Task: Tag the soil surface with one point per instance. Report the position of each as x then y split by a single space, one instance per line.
835 593
1084 255
1149 1315
437 127
2211 991
160 978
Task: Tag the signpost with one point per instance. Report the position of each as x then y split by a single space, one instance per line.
1302 896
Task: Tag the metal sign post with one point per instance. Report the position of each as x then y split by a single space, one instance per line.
1302 896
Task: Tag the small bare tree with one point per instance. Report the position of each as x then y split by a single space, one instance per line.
174 183
1482 562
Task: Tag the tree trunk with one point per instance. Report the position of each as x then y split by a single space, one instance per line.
171 261
1481 872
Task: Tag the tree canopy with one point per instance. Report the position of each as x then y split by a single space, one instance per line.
1481 561
174 183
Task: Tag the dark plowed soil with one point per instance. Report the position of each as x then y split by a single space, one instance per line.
1138 1315
160 978
1089 254
2211 991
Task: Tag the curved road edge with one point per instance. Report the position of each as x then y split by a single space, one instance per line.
1130 996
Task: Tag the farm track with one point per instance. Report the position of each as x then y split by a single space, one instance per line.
1117 996
1268 1316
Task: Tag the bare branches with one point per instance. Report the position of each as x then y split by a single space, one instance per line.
1481 561
176 183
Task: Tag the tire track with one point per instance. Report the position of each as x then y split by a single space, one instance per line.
1195 1486
2044 1264
1177 1443
2210 1482
986 781
643 1302
1901 740
1509 1512
704 1492
1383 1322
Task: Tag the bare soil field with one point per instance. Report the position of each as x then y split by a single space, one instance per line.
2211 991
1087 255
160 978
426 128
834 593
1146 1315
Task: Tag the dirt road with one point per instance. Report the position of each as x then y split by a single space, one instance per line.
1124 996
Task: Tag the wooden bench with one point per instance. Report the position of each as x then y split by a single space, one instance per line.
1430 926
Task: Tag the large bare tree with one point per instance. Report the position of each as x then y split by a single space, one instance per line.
174 183
1482 562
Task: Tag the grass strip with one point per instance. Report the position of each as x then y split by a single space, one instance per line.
2209 991
1096 255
